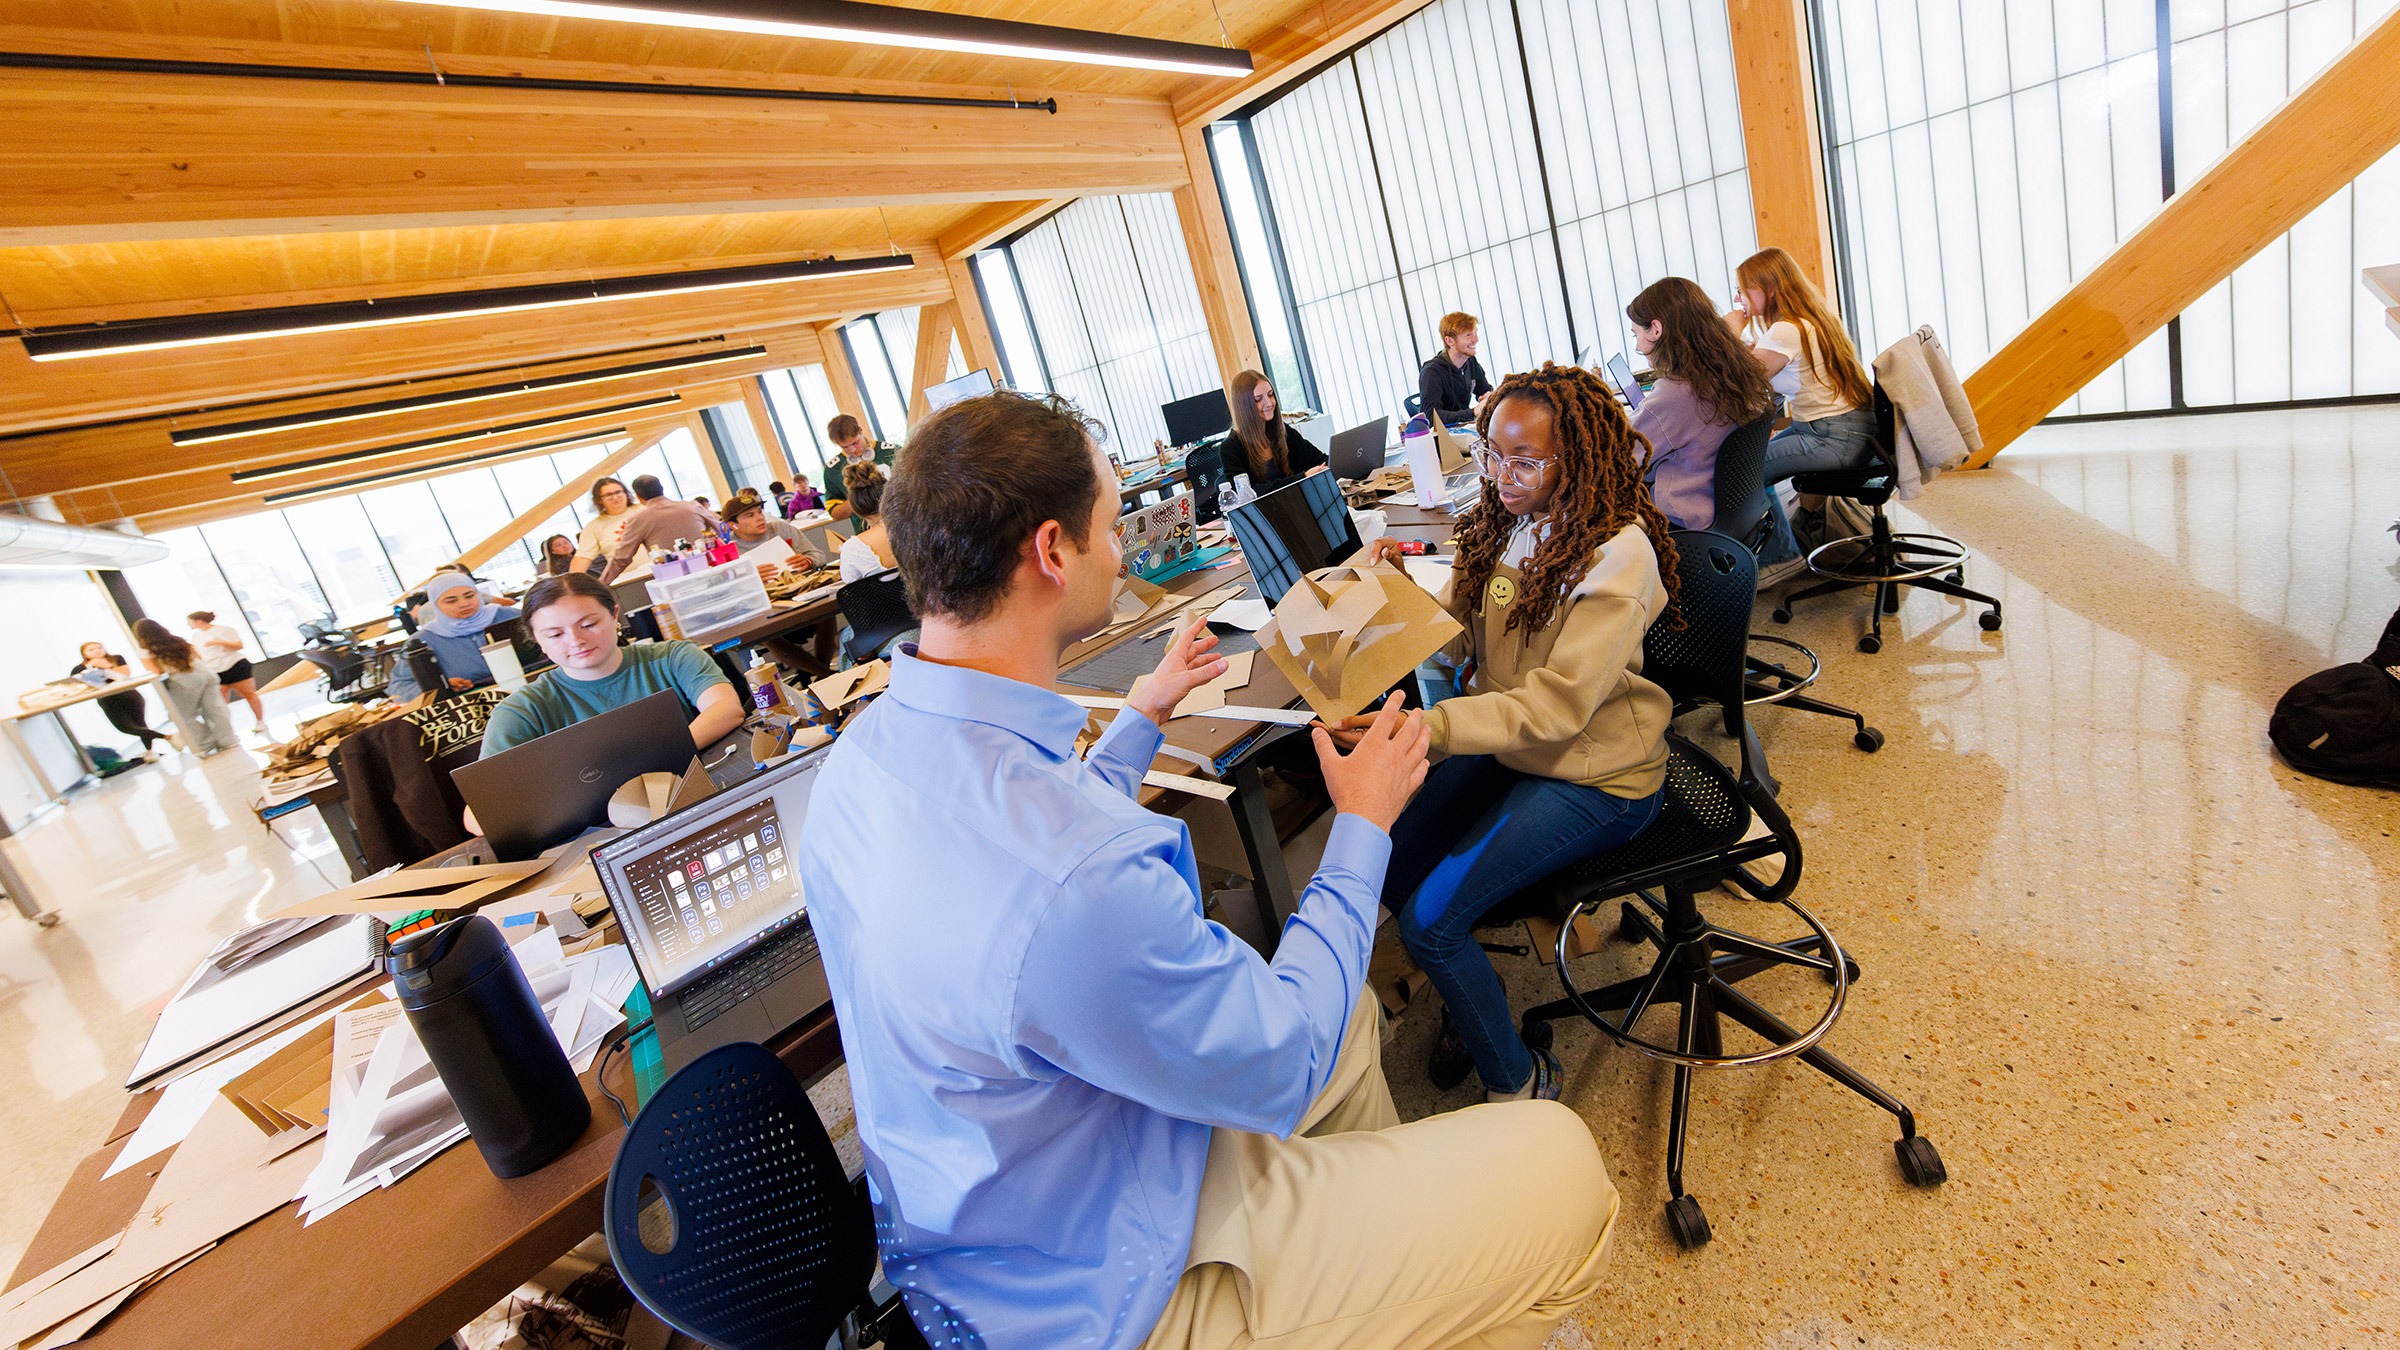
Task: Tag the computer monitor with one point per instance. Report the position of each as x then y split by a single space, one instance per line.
697 889
973 384
1621 375
1293 531
554 787
1195 419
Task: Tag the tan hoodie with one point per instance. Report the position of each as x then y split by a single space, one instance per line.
1568 702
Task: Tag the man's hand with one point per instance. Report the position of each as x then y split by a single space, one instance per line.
1191 661
1383 769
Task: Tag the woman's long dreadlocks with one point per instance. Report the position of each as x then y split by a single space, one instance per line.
1600 459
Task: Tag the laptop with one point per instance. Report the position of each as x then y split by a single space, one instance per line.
1195 419
1620 374
555 787
1358 452
973 384
710 901
1292 531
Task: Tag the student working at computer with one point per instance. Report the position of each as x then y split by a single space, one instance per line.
1451 383
1557 749
1790 325
1271 452
1091 1116
1707 385
574 618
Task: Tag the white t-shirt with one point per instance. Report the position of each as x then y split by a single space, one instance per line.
1809 395
859 559
599 537
218 660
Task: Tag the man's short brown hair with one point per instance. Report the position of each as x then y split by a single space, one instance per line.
1458 323
842 428
983 474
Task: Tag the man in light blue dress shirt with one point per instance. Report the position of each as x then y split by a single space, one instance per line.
1091 1116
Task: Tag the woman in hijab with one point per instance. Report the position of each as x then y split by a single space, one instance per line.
453 633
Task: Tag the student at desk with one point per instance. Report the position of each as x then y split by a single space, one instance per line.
574 618
1451 384
1558 750
1707 386
1273 453
1831 401
452 633
1091 1116
870 550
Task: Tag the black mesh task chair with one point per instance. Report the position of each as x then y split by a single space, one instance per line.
1883 559
1741 492
1697 841
349 674
728 1214
876 608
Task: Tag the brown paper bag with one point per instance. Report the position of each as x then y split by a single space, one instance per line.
1346 634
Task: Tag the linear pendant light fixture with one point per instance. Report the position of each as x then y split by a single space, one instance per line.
891 26
200 330
413 470
228 431
463 438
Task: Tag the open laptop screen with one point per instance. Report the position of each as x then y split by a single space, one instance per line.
708 883
1620 373
1293 531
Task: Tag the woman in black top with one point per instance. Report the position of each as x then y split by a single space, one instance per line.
126 711
1273 454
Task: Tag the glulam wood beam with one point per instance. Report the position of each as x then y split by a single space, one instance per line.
839 375
1208 240
1314 34
935 325
995 222
974 322
1771 66
575 489
2326 135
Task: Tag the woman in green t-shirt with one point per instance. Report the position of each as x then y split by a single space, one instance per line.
574 618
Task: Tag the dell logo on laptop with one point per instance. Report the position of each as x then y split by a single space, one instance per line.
589 775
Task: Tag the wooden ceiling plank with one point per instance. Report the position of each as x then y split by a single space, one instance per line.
994 223
574 489
1281 55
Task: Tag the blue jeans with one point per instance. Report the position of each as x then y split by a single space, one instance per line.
1836 442
1477 833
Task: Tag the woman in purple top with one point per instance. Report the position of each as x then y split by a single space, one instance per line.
1708 384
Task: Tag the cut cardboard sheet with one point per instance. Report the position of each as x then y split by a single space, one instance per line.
1346 634
838 691
1212 695
419 888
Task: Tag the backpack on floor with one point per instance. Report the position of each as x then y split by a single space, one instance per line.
2343 724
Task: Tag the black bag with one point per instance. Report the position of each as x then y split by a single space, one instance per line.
2343 724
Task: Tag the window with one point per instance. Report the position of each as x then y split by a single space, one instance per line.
878 379
1261 261
686 476
340 545
185 580
1012 327
737 447
802 400
262 562
415 534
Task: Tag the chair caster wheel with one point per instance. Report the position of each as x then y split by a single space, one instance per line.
1689 1225
1958 576
1918 1162
1990 620
1868 739
1783 614
1870 644
1537 1035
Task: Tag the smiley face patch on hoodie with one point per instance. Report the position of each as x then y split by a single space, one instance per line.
1502 591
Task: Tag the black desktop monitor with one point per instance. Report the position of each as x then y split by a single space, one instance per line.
1293 531
974 384
1195 419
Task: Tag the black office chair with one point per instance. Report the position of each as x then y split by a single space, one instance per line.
1741 492
1697 841
878 613
346 671
1204 469
1883 559
728 1214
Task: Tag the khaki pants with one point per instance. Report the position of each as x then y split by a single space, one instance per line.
1477 1228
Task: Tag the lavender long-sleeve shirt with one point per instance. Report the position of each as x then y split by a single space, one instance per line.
1684 441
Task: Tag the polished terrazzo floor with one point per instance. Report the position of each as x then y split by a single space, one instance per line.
2136 978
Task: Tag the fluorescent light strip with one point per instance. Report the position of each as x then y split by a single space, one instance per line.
893 26
299 466
298 421
240 326
358 484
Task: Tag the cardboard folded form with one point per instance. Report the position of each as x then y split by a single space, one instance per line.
1346 634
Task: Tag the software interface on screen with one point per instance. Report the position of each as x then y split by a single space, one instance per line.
713 888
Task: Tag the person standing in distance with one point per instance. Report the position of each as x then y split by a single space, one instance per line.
1092 1116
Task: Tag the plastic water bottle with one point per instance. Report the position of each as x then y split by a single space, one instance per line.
1228 497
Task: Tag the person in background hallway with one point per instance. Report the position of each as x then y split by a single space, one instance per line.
188 686
659 521
220 651
558 556
803 498
1707 385
125 709
1273 453
1557 750
844 431
1453 381
611 506
1790 326
1117 1125
870 550
456 614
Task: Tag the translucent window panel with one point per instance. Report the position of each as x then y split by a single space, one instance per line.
185 580
1012 327
1166 268
682 454
1357 344
1270 301
414 531
803 433
736 445
1322 188
1050 301
272 579
477 509
525 482
1107 282
342 549
887 405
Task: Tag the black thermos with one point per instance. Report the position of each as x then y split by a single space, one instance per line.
475 1012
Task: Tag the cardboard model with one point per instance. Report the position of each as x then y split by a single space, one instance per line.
1346 634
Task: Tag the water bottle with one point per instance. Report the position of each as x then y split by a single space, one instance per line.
1228 497
474 1011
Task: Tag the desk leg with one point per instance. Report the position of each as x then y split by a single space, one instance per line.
1270 881
336 815
20 891
33 765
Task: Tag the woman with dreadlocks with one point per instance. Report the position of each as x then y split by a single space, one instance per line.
1557 751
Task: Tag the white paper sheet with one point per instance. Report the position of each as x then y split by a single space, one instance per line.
212 1008
181 1102
1198 787
1248 615
1431 573
1290 717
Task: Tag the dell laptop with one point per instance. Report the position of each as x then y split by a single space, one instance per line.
552 788
712 908
1358 452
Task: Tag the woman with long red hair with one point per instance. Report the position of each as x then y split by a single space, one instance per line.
1801 347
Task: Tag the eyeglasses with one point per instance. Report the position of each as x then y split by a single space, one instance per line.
1517 472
